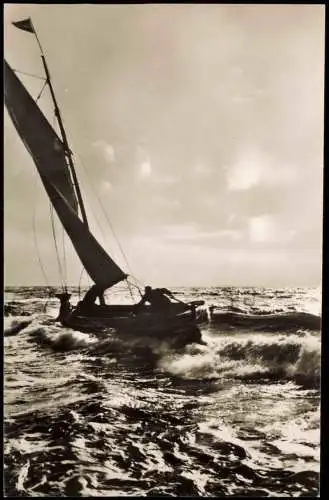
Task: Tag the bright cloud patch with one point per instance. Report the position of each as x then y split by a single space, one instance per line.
266 228
261 229
254 169
244 174
106 149
145 169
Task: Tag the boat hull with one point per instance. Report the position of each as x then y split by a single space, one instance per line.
176 325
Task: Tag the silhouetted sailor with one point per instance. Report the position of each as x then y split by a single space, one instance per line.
89 300
158 298
65 307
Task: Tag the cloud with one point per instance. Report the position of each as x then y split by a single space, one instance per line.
271 230
143 163
255 168
106 149
189 234
244 174
261 229
145 169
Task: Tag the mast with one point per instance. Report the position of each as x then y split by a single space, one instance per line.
63 133
65 142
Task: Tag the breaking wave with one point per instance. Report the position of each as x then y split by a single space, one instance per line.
258 358
12 326
58 340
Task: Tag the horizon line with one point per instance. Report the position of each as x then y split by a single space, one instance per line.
171 286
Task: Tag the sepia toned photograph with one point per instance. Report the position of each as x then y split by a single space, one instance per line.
163 212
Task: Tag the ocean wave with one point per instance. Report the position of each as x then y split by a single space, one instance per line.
259 358
28 306
14 308
59 340
277 322
14 325
86 450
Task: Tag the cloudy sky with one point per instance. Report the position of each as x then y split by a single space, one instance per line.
198 129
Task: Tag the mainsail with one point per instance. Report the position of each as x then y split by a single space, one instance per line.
48 154
39 137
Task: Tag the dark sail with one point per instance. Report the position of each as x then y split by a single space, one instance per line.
48 154
98 264
39 137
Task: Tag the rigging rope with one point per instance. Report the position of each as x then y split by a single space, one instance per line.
64 259
63 273
94 191
29 74
136 284
35 237
56 248
79 289
98 225
130 291
109 223
101 231
106 216
104 212
40 93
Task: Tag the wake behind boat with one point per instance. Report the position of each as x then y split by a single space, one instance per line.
163 318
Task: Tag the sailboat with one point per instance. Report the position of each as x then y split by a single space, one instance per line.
53 158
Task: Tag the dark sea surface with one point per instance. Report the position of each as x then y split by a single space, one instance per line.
102 415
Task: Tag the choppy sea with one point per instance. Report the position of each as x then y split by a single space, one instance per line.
99 415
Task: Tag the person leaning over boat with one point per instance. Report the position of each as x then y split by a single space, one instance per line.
158 298
89 301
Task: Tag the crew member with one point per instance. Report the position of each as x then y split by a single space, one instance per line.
65 307
158 298
89 300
